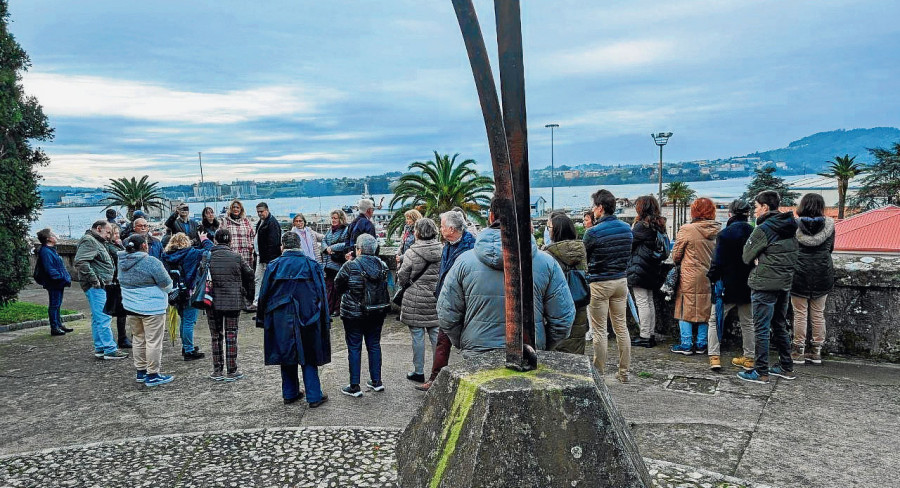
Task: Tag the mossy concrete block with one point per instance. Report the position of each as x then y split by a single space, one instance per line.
483 425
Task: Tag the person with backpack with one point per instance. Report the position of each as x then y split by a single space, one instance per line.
568 251
418 274
51 273
362 281
728 267
649 248
293 313
181 256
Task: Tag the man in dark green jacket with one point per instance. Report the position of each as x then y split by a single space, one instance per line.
772 247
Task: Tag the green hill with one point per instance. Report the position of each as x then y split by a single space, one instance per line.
814 151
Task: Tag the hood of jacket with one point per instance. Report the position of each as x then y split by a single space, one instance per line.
707 228
813 231
782 224
371 266
737 218
429 250
177 256
489 250
128 261
571 252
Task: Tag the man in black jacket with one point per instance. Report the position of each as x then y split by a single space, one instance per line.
362 224
728 267
268 243
181 221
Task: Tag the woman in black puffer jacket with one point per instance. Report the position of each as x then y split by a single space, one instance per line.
813 277
644 267
366 270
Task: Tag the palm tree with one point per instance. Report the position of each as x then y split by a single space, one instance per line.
679 194
438 186
843 169
133 194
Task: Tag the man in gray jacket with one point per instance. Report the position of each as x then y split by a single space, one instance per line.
95 271
472 303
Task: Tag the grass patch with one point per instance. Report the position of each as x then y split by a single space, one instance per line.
16 312
645 374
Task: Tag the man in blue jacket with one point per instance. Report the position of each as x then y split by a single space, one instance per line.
608 246
52 274
293 311
362 224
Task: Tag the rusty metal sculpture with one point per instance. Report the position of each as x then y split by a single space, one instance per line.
508 141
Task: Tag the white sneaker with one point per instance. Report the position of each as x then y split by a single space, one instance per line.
589 336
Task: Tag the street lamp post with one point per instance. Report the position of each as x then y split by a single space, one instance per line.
661 139
552 167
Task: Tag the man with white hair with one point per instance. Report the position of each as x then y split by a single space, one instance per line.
362 224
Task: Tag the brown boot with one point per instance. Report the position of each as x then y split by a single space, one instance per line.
714 363
815 355
797 354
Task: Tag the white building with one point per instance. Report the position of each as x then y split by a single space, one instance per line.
827 187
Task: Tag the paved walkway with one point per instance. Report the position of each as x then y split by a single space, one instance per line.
835 426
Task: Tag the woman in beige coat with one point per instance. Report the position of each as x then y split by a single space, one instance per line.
693 251
419 275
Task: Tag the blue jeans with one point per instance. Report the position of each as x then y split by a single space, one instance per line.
100 322
355 330
188 320
290 382
687 333
418 345
770 321
53 307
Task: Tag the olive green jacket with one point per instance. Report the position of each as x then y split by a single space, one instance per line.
773 247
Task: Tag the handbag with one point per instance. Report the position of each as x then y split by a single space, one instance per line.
113 306
398 295
578 286
201 294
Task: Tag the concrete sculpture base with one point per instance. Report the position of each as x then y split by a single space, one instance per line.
483 425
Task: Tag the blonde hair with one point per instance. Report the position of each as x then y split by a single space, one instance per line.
413 214
178 241
342 217
238 202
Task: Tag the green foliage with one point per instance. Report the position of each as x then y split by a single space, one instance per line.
881 185
843 169
15 312
810 150
680 195
438 186
22 121
764 179
133 194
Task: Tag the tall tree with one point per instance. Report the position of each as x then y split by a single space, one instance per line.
679 194
843 169
133 194
22 121
438 186
881 185
764 179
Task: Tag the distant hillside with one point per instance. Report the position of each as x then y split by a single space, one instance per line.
814 151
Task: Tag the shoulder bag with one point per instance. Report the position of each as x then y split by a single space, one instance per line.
398 295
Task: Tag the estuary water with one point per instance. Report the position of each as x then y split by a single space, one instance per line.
73 221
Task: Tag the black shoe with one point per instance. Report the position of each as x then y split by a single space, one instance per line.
643 342
417 377
66 329
57 332
193 355
352 390
288 401
125 344
318 403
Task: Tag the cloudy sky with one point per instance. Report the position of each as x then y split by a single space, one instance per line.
294 89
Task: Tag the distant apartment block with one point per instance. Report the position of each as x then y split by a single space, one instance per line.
244 189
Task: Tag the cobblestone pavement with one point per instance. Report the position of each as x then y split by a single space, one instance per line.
305 457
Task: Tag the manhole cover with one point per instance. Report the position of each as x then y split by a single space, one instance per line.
693 385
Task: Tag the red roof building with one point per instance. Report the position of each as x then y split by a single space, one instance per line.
873 231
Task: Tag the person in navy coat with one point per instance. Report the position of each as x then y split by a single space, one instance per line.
293 313
52 274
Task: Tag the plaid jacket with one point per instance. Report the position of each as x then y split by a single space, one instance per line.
242 235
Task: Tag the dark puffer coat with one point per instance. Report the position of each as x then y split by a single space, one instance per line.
233 280
608 247
268 236
351 284
643 268
814 275
727 264
774 244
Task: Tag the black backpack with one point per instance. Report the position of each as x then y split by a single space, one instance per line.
662 248
375 292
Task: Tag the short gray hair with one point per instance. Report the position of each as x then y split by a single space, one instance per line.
365 205
366 244
425 229
290 240
454 220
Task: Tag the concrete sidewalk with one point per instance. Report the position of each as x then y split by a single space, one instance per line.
835 426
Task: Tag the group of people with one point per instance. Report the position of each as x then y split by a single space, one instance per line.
452 283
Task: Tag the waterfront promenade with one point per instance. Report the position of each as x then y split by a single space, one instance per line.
835 426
